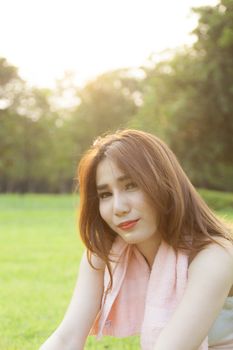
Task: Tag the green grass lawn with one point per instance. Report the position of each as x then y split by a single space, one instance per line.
40 254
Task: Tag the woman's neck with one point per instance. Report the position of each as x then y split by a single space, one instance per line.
149 249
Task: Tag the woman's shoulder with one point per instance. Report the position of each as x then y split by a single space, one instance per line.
94 262
216 257
221 246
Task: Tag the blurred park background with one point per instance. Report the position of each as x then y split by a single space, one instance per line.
186 98
183 95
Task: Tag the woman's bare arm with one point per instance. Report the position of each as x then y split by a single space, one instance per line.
83 308
210 278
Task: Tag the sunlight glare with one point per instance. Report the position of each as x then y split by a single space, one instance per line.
46 38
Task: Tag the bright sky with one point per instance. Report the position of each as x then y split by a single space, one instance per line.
45 38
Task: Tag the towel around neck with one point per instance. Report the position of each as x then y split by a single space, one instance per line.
141 301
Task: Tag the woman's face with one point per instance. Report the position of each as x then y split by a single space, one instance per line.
123 205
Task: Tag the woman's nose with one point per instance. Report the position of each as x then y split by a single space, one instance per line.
120 205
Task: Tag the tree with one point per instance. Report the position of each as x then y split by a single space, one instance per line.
106 103
189 100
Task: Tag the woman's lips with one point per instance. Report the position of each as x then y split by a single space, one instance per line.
128 224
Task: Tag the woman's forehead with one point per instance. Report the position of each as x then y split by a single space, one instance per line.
108 171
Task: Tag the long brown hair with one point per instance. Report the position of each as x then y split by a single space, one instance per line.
185 221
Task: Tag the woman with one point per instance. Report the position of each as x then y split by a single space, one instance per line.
158 262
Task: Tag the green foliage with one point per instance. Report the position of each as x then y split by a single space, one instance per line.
106 104
41 144
26 136
186 99
7 72
218 200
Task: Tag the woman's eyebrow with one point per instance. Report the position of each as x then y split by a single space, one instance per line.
119 179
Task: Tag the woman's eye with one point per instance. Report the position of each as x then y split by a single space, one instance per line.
131 185
104 195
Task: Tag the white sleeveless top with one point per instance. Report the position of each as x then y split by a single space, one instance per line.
222 329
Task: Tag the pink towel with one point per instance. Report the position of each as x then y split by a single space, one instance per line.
140 302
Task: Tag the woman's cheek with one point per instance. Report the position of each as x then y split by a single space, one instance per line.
103 211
